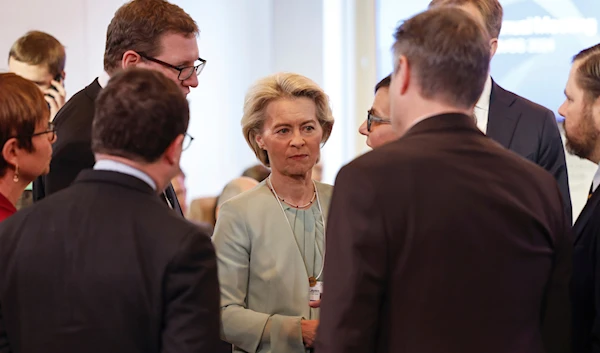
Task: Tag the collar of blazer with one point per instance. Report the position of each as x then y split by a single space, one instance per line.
110 177
503 116
590 210
93 90
447 121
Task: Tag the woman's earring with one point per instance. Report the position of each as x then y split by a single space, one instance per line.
16 176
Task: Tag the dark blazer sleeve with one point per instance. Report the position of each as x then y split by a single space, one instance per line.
552 158
594 333
556 310
4 345
191 298
355 267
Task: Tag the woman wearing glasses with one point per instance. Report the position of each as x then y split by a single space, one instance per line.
377 127
26 136
270 241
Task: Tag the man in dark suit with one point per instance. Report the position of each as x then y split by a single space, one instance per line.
444 241
104 265
582 131
518 124
149 34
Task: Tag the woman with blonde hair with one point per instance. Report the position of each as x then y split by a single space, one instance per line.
27 137
270 241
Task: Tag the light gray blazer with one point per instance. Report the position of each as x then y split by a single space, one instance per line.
261 272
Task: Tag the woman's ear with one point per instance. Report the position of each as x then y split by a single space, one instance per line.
10 151
260 142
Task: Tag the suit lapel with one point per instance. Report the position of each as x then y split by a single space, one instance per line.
586 214
502 119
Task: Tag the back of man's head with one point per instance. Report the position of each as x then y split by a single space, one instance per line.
37 48
139 24
491 12
588 72
448 53
138 116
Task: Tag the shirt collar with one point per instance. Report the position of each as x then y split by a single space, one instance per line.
484 99
103 79
114 166
596 180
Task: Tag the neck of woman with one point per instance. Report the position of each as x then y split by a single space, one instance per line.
297 190
11 190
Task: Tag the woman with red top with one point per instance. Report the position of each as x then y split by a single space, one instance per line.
26 137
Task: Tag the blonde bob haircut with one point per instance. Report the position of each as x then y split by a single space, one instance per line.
281 86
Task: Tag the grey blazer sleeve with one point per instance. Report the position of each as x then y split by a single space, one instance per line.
244 327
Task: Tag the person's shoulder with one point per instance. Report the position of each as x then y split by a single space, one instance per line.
533 109
519 166
77 110
325 190
27 216
379 160
249 198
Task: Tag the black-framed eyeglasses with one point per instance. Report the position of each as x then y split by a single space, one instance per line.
187 141
184 72
51 131
372 118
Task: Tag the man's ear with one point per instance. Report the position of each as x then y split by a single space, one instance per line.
596 113
130 59
173 152
493 47
402 75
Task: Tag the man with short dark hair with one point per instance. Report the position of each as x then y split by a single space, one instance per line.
444 241
377 127
524 127
582 131
153 34
104 265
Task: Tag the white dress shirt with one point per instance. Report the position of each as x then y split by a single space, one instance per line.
114 166
103 79
482 108
596 180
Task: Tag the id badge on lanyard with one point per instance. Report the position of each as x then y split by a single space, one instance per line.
315 290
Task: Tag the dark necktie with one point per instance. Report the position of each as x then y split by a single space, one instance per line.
591 192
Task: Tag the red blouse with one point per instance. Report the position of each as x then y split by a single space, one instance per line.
7 209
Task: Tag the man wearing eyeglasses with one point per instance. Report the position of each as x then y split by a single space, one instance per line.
156 35
377 127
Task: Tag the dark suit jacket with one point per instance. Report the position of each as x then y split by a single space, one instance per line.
72 151
105 266
531 131
586 278
443 241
